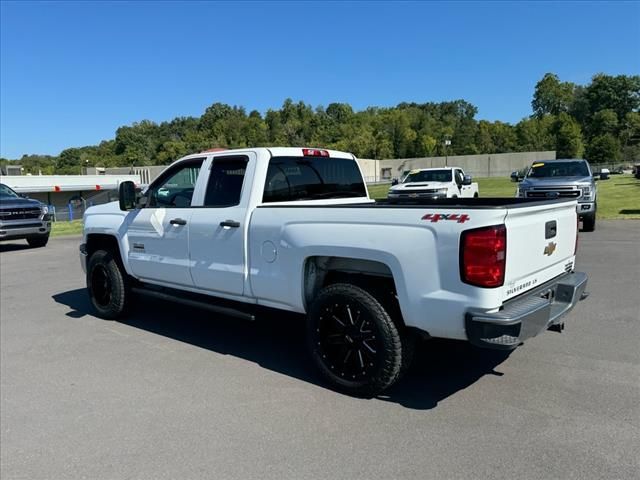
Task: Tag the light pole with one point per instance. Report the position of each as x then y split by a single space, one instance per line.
446 151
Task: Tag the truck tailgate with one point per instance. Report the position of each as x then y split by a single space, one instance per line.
541 243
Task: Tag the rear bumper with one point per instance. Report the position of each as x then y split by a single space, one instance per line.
527 315
14 230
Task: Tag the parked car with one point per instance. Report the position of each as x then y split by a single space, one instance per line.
23 218
434 183
563 178
294 229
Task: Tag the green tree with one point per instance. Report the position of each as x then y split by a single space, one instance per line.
568 137
551 96
536 134
619 93
603 149
604 121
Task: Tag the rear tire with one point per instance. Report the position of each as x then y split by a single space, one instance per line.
38 241
353 340
108 285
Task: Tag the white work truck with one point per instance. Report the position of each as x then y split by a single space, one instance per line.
242 231
433 184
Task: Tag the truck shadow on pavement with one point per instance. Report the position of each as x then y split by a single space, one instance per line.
277 343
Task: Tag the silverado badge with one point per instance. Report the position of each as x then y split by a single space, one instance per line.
549 249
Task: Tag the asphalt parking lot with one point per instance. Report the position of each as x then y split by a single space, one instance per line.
174 393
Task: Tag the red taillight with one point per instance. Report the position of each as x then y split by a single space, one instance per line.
314 152
483 254
575 249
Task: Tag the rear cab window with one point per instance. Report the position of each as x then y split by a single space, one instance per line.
310 178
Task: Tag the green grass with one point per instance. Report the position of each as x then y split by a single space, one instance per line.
66 228
618 197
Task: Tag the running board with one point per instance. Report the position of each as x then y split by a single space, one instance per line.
207 305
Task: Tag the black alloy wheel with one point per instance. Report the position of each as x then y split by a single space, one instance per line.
108 285
101 285
347 341
353 340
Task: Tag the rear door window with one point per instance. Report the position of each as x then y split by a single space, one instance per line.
309 178
225 181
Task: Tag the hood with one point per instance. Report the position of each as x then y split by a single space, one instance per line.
419 186
555 181
105 208
19 203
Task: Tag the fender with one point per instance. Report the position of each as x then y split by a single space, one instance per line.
108 219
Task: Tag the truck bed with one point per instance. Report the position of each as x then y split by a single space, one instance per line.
448 203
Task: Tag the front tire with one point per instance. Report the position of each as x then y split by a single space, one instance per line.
589 221
38 241
353 340
108 285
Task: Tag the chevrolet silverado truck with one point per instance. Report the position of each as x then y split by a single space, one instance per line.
434 183
565 179
23 218
239 232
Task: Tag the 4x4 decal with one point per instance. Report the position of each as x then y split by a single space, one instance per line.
435 217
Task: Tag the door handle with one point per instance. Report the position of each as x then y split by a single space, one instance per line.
178 221
230 223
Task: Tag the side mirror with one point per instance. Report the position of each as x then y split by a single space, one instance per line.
514 176
24 195
127 195
596 176
394 182
466 180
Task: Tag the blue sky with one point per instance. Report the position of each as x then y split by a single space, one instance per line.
71 73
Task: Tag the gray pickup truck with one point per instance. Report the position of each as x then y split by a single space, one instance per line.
23 218
564 178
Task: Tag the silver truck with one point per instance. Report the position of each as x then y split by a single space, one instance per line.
563 178
23 218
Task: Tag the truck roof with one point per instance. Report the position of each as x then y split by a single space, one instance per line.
435 168
274 151
551 160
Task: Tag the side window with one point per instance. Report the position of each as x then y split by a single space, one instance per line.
225 181
175 188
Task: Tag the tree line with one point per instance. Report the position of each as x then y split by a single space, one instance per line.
599 121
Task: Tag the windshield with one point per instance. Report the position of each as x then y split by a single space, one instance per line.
7 193
558 169
305 178
428 176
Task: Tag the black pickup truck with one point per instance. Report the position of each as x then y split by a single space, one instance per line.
23 218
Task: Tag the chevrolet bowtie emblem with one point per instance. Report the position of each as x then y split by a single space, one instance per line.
549 249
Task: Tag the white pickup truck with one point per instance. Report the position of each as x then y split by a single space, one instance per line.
294 229
433 184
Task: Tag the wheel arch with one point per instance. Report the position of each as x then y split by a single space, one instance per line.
374 276
104 241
